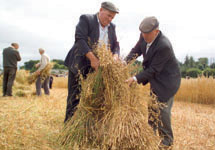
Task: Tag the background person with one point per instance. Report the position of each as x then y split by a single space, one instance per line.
10 58
44 61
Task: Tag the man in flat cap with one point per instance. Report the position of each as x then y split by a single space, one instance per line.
161 70
10 58
91 30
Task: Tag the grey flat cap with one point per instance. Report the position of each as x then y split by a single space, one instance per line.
149 24
110 6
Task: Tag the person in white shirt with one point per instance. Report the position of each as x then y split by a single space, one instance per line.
44 61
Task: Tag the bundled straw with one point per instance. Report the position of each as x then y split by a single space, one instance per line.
21 86
110 115
43 74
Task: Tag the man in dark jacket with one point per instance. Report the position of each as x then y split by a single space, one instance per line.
161 70
91 31
10 58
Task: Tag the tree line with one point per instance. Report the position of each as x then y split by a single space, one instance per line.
190 67
30 65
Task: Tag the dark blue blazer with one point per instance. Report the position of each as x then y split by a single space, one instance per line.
86 37
160 66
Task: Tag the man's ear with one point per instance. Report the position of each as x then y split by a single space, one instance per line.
157 30
101 9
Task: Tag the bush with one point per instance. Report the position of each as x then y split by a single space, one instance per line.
209 72
183 72
193 72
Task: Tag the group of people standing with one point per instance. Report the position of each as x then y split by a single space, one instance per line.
160 66
10 58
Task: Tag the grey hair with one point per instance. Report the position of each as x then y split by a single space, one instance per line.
41 50
14 44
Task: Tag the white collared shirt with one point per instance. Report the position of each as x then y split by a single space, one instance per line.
103 34
43 61
149 44
147 48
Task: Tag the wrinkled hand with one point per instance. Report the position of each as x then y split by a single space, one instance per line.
95 64
116 57
124 63
94 61
37 72
130 81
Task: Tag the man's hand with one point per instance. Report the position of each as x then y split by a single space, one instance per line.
130 81
37 65
94 61
116 57
37 72
124 62
95 64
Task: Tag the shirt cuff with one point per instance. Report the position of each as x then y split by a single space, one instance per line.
135 79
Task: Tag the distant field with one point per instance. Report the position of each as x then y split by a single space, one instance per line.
200 90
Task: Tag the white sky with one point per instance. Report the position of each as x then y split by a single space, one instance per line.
50 24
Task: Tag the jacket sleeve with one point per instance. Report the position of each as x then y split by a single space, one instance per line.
81 35
160 58
116 48
136 51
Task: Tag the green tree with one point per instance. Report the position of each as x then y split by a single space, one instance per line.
191 62
183 70
186 62
203 61
58 61
199 66
59 64
209 72
193 72
30 65
212 66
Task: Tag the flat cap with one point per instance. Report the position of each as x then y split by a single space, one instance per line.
110 6
149 24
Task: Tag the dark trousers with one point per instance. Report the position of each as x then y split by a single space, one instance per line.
73 99
162 123
39 85
8 79
50 82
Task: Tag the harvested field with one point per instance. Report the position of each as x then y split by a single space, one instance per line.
34 123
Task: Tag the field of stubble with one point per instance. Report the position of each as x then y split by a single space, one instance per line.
34 123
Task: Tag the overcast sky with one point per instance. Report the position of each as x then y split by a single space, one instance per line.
50 24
